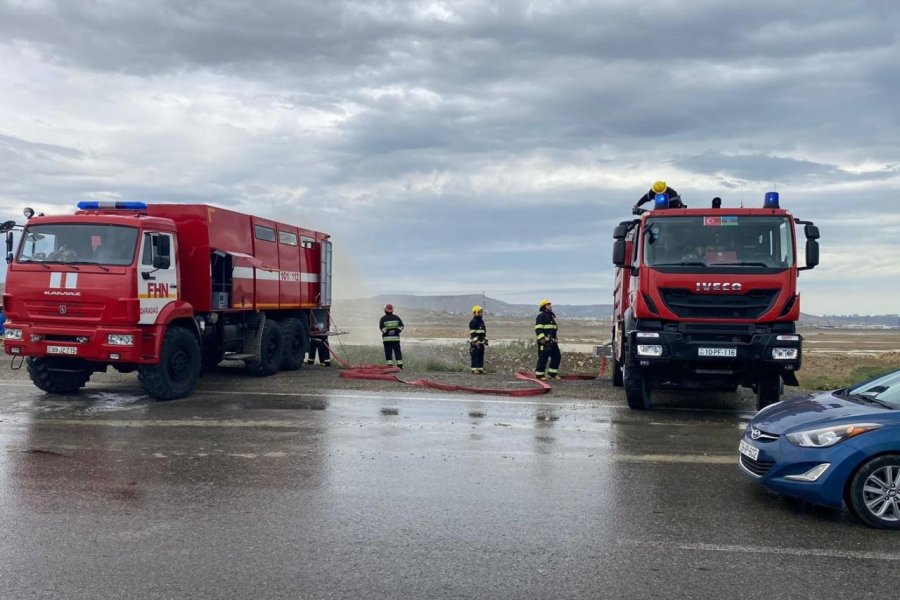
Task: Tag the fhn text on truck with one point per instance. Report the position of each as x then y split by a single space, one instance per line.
707 298
162 289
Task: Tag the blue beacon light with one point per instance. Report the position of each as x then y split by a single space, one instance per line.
661 200
117 204
771 200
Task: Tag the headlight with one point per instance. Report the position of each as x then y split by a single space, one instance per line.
785 353
649 350
119 339
647 334
13 334
829 436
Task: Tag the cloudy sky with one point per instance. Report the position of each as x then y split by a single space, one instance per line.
460 147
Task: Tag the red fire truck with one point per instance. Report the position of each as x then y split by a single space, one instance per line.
162 289
707 298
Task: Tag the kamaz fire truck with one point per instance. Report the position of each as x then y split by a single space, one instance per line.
162 289
707 298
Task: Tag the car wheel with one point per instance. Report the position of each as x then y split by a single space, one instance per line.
875 492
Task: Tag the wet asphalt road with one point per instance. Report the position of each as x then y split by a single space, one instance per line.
252 489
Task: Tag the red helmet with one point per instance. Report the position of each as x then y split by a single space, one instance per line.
389 308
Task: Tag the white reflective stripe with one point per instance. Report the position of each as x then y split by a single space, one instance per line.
55 280
71 281
263 275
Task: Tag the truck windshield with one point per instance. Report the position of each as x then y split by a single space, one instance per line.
78 244
745 241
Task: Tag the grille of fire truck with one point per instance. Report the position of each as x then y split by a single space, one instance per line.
750 305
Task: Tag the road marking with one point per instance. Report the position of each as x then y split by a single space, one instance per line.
775 550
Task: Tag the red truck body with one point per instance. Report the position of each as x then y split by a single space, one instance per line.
106 286
708 298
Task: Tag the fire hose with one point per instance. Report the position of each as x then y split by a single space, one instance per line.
391 373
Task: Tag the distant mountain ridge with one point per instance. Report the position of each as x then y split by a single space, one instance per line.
463 303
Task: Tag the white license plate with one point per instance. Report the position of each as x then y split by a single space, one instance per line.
717 352
747 450
62 350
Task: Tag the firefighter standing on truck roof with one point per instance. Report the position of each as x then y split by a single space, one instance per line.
391 325
658 188
477 340
548 348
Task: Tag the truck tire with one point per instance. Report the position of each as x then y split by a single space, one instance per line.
179 367
768 390
637 388
296 344
271 351
57 375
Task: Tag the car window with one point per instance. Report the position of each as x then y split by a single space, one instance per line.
886 389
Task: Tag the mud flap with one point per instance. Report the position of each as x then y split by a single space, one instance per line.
790 378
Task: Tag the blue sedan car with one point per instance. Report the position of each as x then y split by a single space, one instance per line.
837 448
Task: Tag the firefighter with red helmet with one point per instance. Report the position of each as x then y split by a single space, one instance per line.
477 340
548 347
391 325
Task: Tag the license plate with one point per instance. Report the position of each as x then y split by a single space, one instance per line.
62 350
747 450
717 352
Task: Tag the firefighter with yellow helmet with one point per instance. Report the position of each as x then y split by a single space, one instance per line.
660 187
548 347
477 340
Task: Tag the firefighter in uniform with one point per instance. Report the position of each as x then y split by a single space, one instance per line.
658 188
318 345
391 325
477 340
548 348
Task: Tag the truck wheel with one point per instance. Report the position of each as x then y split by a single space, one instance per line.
296 344
768 391
178 370
637 388
57 375
873 492
271 351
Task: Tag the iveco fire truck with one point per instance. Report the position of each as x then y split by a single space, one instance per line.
162 289
707 298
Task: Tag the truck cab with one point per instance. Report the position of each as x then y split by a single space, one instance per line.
707 298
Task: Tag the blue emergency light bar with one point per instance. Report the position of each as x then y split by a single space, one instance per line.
771 200
661 200
117 204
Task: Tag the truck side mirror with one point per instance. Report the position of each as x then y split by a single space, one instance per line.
9 247
811 231
621 230
162 252
812 254
618 257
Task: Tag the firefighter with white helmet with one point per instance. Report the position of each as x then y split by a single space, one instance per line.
660 187
548 347
477 340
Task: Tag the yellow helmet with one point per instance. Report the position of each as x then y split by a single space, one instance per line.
476 309
543 303
659 187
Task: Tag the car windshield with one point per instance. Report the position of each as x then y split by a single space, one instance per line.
733 241
78 244
884 389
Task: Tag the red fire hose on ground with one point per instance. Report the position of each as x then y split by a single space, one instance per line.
388 373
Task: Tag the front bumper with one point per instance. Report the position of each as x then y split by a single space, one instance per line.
778 459
714 350
87 343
